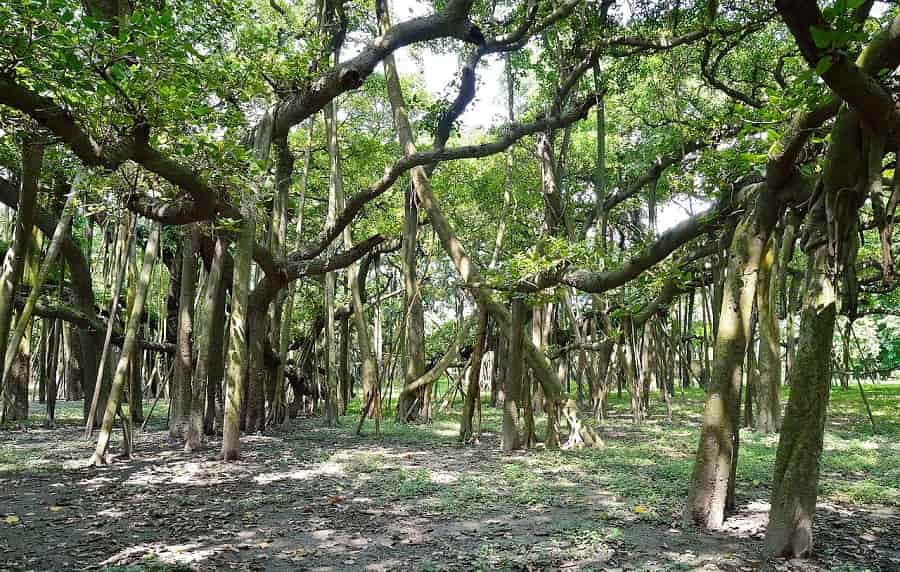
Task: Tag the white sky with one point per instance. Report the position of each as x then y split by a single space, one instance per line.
439 71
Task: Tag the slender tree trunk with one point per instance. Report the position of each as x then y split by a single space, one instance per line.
344 364
98 399
335 193
215 289
184 363
627 360
415 318
752 373
237 336
473 390
288 309
768 407
371 392
128 348
51 369
468 271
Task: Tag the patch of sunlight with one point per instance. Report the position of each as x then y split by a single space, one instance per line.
443 477
96 481
111 513
76 463
197 474
327 468
184 554
445 432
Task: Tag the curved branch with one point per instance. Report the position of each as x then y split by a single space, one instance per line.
452 22
512 133
852 82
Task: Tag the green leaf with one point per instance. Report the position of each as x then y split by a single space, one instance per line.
821 37
824 65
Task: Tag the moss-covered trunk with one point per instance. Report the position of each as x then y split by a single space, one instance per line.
768 405
473 392
184 362
14 266
719 436
831 223
237 335
128 347
511 437
205 354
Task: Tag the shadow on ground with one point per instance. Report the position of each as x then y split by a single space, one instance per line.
313 498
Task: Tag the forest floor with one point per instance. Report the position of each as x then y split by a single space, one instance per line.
306 497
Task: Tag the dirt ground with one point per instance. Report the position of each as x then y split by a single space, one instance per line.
305 497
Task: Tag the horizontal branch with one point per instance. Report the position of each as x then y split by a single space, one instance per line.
451 22
598 282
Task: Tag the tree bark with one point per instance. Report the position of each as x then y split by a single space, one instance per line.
768 390
415 319
832 219
14 261
237 336
215 289
128 348
98 399
511 438
473 390
716 453
184 362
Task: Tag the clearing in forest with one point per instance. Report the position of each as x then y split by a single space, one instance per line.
307 497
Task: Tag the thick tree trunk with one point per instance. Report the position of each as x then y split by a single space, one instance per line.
717 451
255 411
511 438
51 369
135 388
831 222
795 483
14 261
128 348
279 316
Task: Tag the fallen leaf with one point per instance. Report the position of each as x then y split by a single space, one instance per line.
13 520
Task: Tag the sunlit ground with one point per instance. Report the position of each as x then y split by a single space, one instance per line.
309 497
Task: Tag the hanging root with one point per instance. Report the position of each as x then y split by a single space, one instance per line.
581 435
